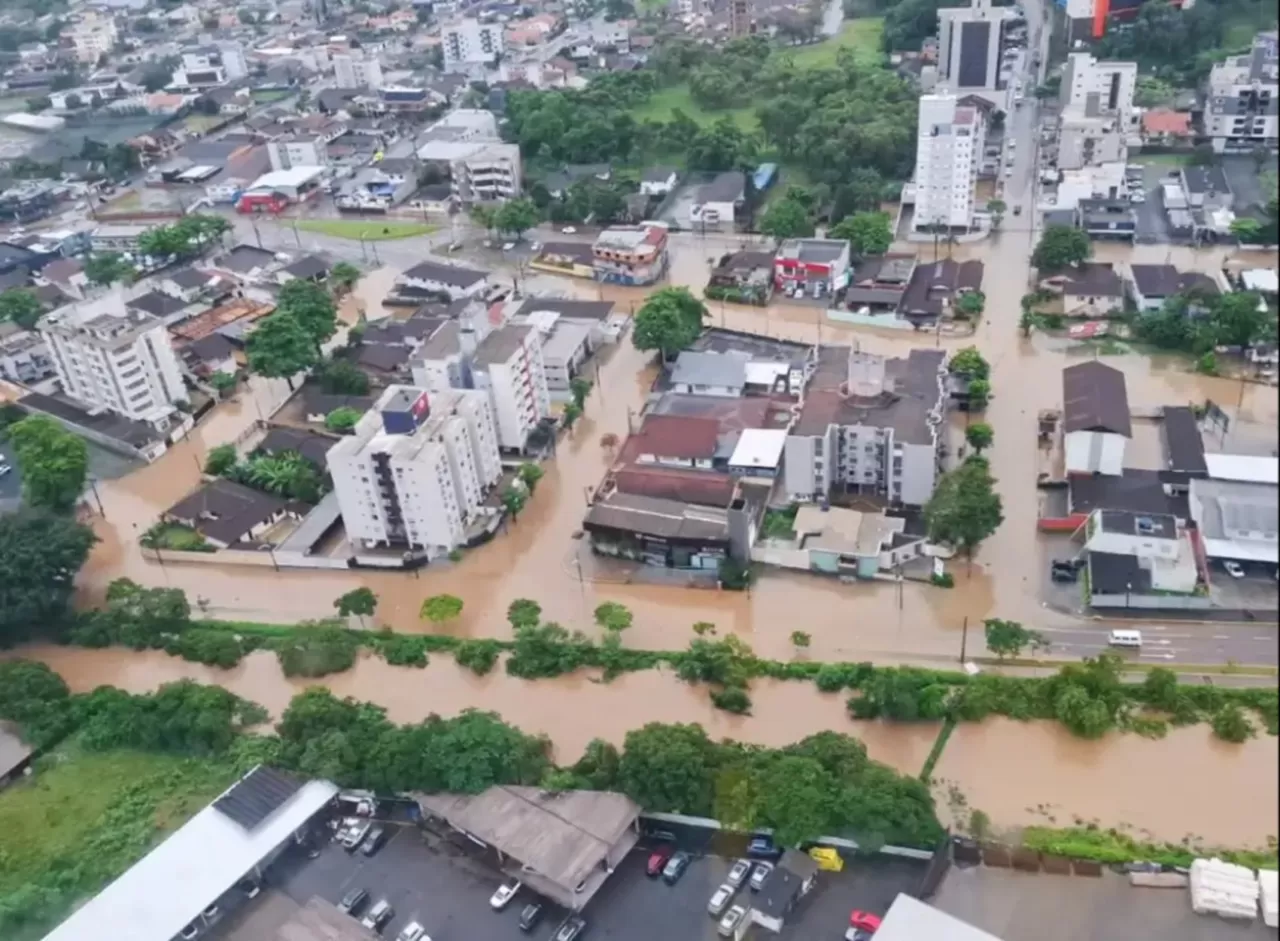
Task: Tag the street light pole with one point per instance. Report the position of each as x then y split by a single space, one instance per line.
964 638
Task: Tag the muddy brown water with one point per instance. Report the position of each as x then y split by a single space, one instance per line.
1017 773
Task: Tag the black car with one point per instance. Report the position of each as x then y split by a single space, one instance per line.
1060 574
570 929
675 867
373 842
353 901
530 915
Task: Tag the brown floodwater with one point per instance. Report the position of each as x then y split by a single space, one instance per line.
1226 794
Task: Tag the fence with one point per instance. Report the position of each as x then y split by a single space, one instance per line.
247 557
1153 602
1001 856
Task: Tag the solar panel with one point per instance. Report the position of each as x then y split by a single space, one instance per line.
260 794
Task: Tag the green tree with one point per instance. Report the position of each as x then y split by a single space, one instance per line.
220 460
1061 246
109 268
516 216
997 208
964 509
968 363
1231 724
223 382
1009 638
800 640
529 474
1240 318
55 462
579 389
797 799
339 377
440 609
669 768
1246 229
979 394
287 474
572 412
361 602
971 303
40 554
786 219
342 420
868 233
524 613
514 499
484 216
613 617
312 307
21 306
979 435
344 275
36 698
669 320
279 348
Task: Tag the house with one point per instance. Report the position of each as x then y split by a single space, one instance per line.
309 444
718 203
816 267
306 268
162 306
743 277
936 288
248 260
436 278
835 540
1165 127
1107 218
24 355
630 254
713 374
668 533
1139 559
674 441
231 515
877 284
1095 418
1151 286
208 355
1207 188
658 181
1092 289
67 273
792 879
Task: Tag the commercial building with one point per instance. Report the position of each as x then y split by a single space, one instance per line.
1236 519
669 533
949 143
868 425
1154 552
469 42
354 69
112 358
1242 99
24 355
970 40
415 473
277 190
1095 418
92 37
485 171
631 254
452 281
298 150
1096 88
814 267
508 365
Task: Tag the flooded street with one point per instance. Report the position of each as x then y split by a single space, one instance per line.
1226 794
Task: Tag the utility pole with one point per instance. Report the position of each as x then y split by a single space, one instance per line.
964 638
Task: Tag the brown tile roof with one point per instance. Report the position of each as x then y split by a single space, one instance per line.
706 488
674 436
1167 121
1094 399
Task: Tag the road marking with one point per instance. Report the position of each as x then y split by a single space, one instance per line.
1265 638
1157 656
1221 636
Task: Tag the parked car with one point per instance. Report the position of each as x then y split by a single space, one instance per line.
864 921
507 246
658 860
719 899
191 931
1059 574
4 469
412 932
738 873
354 833
570 929
763 847
376 918
353 901
675 867
530 915
1233 569
503 896
759 874
730 921
569 230
373 842
857 934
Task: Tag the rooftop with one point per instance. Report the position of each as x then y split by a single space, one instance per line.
932 287
629 238
1244 467
650 516
225 511
13 750
728 187
728 370
1092 279
309 444
1237 520
1183 444
846 531
818 251
705 488
500 345
1127 523
572 309
672 436
452 275
1094 399
907 399
1139 491
759 448
308 267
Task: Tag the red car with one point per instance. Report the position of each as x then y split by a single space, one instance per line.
864 920
658 860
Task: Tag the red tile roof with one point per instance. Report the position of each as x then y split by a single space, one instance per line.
705 488
674 436
1167 121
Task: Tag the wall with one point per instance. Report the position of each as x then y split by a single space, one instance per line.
783 554
919 473
1090 452
797 465
1153 602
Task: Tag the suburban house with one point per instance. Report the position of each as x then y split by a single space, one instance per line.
935 288
1095 418
816 267
1165 127
718 203
231 515
1092 289
1151 285
430 278
836 540
675 441
878 283
715 374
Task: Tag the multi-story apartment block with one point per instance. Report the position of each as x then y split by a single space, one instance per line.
24 356
416 470
948 156
1096 88
970 40
114 358
92 37
631 254
469 42
207 66
868 425
486 172
1240 108
298 150
353 69
508 365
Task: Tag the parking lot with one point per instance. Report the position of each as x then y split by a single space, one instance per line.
434 882
1256 591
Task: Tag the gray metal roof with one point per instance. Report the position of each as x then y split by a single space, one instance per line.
710 369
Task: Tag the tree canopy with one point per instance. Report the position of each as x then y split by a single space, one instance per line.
787 219
964 509
868 233
21 306
280 348
1061 246
669 320
108 268
40 554
969 363
54 461
311 306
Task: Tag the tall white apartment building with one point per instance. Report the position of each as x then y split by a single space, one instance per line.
490 171
508 365
93 36
1242 104
113 358
298 150
948 154
355 70
469 42
1094 89
416 471
970 40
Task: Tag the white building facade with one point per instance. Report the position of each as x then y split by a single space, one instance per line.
355 70
114 358
298 151
417 469
508 365
948 156
1242 105
470 42
490 172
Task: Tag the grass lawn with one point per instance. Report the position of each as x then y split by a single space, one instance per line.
861 35
665 101
369 230
82 819
1164 160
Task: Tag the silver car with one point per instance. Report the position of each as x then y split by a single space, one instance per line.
730 921
738 874
720 899
759 874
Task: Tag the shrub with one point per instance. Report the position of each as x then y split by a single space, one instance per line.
478 656
403 650
733 699
317 651
214 648
945 580
1231 724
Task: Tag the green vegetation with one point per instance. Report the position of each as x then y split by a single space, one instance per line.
1116 846
174 536
55 462
366 231
861 36
1061 246
964 508
665 103
779 524
40 553
1197 322
1009 638
668 321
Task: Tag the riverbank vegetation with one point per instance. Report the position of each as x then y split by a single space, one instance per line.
1090 698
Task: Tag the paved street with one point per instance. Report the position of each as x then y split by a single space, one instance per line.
1174 643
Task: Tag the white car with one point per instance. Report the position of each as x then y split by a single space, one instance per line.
4 469
730 920
720 899
759 874
569 230
1233 569
507 246
738 874
1008 171
412 932
506 892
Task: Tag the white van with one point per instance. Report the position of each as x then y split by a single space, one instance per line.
1125 638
